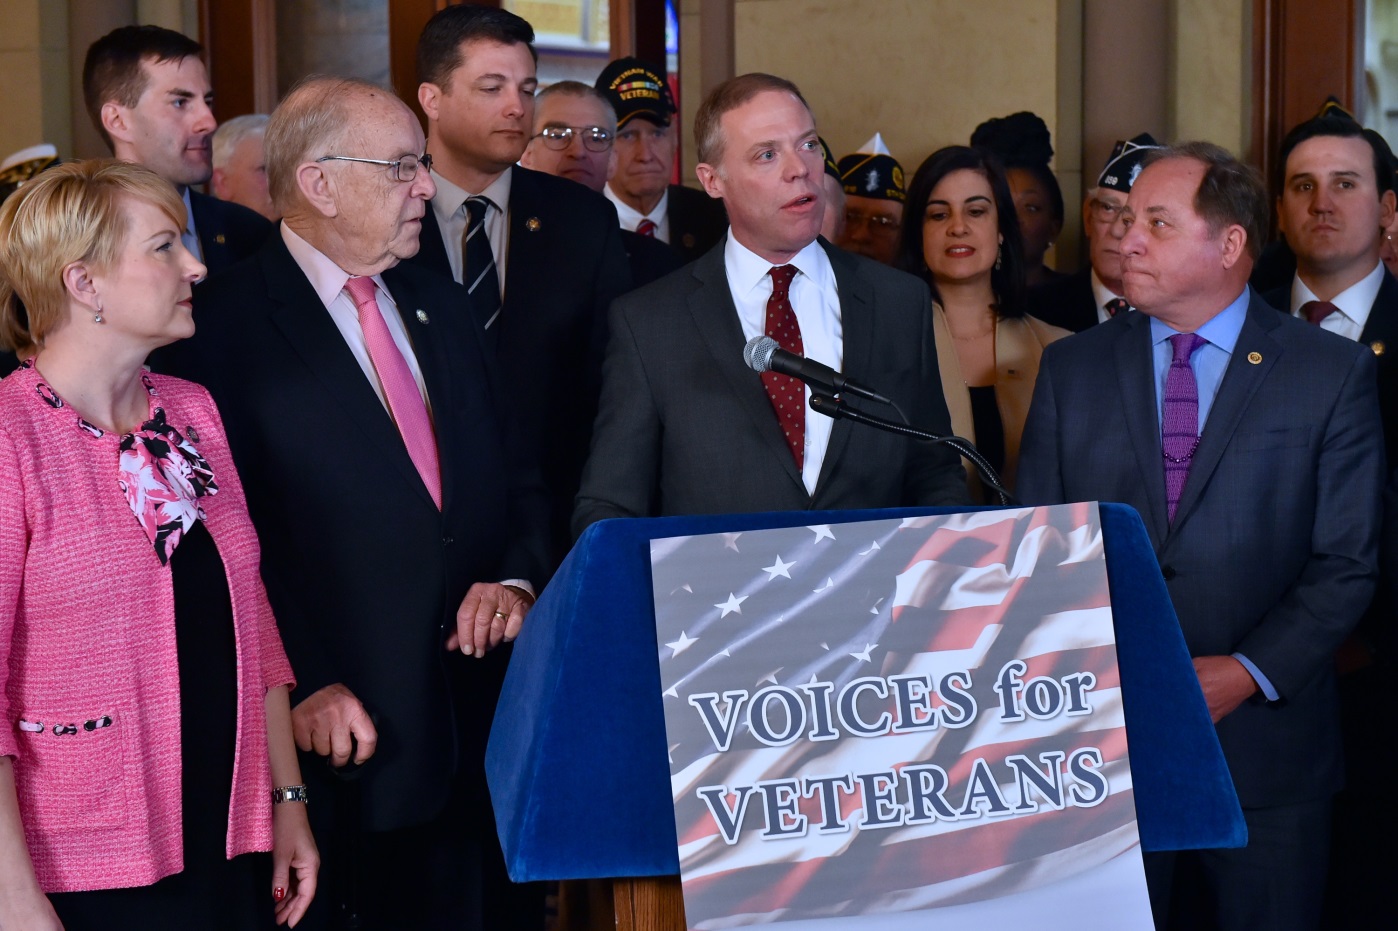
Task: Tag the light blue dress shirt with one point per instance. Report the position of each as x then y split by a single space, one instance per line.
1209 362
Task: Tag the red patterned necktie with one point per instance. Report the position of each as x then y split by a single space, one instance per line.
788 394
646 228
400 389
1316 311
1116 306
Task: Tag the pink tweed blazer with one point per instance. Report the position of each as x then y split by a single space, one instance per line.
87 634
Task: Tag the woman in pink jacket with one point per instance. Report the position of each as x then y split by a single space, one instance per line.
145 729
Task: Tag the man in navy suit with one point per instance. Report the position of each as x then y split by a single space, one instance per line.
1249 442
387 567
554 260
147 92
1336 199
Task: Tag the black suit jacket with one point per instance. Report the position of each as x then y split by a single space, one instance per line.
697 221
650 259
685 427
363 572
1380 334
1066 302
565 265
1272 553
8 362
228 232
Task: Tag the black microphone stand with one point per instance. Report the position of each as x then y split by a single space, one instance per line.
836 409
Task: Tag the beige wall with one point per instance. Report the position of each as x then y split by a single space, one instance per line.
1212 73
33 75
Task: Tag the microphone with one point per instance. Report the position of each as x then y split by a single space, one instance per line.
764 354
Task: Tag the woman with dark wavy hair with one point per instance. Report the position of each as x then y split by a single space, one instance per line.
961 235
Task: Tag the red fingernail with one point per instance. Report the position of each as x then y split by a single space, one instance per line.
279 893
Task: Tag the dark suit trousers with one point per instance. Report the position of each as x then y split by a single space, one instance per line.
1275 883
445 875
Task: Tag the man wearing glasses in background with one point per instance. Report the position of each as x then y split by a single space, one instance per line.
574 138
540 256
1094 295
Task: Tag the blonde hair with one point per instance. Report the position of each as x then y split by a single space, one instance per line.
70 213
315 117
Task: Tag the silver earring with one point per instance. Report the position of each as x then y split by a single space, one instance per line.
97 317
999 256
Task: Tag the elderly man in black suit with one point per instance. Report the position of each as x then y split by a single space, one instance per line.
1094 295
1249 441
147 92
400 532
685 426
647 139
541 256
1336 199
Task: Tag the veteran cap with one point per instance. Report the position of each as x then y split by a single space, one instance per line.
636 88
873 172
1124 164
831 168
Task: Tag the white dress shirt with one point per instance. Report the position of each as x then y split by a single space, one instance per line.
816 299
450 208
1354 303
328 280
1102 295
631 218
190 236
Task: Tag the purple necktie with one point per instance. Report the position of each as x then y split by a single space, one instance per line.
1179 434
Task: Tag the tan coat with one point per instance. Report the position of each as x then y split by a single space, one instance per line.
1019 341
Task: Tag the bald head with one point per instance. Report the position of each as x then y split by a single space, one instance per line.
343 167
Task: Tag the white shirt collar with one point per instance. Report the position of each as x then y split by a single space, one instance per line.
450 196
327 278
746 269
630 217
1355 302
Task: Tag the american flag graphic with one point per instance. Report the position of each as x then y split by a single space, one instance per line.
777 627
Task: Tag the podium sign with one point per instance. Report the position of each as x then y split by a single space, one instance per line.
892 716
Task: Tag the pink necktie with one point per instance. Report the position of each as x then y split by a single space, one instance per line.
404 400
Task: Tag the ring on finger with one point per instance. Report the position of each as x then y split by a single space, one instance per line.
501 615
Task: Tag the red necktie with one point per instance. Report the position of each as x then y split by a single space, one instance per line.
646 228
788 394
1316 311
1116 306
399 388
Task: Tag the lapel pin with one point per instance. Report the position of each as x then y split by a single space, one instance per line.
1255 358
688 240
218 238
532 224
422 316
1378 347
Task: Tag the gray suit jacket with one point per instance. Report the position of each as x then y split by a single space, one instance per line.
685 427
1273 549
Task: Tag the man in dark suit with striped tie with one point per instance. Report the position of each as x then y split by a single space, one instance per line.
541 256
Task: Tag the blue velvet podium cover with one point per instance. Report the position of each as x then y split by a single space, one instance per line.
577 760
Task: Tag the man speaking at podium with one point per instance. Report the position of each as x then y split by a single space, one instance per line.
685 427
1249 441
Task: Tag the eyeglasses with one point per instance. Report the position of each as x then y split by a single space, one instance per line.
1104 212
594 138
404 169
